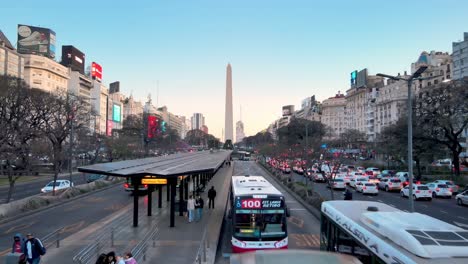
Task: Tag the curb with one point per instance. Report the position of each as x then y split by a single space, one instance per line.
315 212
50 206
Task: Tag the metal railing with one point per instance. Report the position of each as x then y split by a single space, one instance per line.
139 251
52 238
204 245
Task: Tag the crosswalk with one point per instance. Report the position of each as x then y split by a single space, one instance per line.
304 241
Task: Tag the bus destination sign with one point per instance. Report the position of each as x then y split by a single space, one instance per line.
255 203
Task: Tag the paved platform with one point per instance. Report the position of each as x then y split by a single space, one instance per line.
173 245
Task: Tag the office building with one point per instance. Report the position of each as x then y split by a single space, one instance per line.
11 62
460 58
197 120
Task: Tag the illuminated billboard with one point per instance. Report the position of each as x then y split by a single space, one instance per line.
116 113
36 40
288 110
152 126
73 58
96 71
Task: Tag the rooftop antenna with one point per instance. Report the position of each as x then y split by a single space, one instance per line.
241 113
157 93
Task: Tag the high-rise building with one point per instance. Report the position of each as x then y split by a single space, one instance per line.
100 103
460 58
239 131
228 119
11 62
204 128
333 114
198 120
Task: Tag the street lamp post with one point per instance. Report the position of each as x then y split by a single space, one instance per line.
409 81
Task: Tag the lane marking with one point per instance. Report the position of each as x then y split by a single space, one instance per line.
461 224
296 221
380 201
461 217
444 212
306 240
406 211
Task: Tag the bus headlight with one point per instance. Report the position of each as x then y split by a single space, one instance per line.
281 243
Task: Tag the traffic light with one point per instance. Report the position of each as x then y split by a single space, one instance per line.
163 126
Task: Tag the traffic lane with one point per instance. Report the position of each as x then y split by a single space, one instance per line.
73 216
303 227
27 189
443 209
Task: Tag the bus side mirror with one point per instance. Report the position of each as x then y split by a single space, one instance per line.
288 213
230 214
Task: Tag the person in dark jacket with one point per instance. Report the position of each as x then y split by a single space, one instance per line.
102 259
18 243
33 249
211 197
199 203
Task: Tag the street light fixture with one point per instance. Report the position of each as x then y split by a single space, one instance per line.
409 81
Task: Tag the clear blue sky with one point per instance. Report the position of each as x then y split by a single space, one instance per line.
280 51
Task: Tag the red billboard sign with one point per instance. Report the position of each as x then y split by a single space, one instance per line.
109 128
96 71
152 125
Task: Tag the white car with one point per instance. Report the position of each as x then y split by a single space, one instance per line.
317 177
367 187
337 183
59 185
440 190
462 198
353 182
390 184
419 192
455 188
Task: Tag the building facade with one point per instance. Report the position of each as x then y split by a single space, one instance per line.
100 103
460 58
132 107
333 115
173 121
45 74
391 104
197 121
11 62
239 131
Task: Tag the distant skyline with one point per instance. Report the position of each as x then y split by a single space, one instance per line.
282 51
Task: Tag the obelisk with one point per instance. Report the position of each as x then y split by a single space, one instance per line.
228 120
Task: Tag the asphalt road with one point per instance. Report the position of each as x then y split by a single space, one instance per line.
303 227
441 208
26 189
73 216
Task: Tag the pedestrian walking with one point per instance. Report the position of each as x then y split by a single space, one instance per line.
129 258
199 203
18 243
191 208
33 249
119 260
101 259
211 197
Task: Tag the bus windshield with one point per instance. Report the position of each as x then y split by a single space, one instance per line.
252 225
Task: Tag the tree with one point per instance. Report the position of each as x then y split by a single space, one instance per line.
442 114
258 139
353 138
60 114
294 133
19 126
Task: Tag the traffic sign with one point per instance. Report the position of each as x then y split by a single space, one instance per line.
153 181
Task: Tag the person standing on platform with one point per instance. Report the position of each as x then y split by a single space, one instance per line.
211 197
191 208
199 203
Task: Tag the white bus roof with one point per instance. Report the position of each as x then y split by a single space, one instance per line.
248 185
389 232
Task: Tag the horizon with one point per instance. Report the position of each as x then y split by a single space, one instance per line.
280 53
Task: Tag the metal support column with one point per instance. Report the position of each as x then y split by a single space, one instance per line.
194 185
150 199
186 185
181 198
173 183
168 191
135 183
159 196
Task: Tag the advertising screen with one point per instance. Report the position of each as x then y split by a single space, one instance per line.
152 126
288 110
36 40
116 113
109 128
96 71
73 58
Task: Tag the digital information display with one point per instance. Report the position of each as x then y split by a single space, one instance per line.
257 203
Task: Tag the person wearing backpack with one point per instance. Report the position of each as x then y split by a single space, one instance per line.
33 249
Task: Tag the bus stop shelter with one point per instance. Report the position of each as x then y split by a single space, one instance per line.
201 166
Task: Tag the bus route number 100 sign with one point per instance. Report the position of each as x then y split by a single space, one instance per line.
251 203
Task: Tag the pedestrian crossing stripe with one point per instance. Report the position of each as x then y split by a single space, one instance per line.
305 240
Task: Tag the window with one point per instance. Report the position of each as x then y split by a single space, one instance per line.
436 81
429 83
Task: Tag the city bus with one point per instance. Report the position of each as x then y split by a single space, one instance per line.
244 155
378 233
258 214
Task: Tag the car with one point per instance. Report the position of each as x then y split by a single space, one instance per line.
386 173
403 176
374 179
420 191
361 169
317 177
94 177
337 183
286 169
128 186
440 190
371 171
59 185
353 181
455 188
462 198
390 184
367 187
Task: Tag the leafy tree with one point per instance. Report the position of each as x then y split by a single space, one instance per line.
295 132
442 114
353 138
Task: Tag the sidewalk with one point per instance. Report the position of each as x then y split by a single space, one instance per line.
184 238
